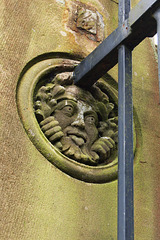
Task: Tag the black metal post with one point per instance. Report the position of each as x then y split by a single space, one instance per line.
125 136
157 17
141 24
125 149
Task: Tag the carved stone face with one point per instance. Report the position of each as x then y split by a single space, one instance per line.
76 122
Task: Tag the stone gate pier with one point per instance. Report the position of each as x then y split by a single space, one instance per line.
59 142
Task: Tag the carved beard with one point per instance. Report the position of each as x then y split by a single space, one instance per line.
74 145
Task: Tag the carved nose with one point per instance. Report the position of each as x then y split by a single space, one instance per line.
78 123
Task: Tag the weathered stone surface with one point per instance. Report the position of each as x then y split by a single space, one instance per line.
86 20
38 200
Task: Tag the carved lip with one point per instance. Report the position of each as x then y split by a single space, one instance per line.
77 134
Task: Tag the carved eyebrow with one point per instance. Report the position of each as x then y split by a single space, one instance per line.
93 113
90 112
63 103
68 98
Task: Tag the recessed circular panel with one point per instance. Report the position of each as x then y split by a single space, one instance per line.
45 92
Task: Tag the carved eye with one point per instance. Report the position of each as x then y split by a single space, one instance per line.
68 110
90 119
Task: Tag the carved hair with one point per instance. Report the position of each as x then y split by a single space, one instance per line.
48 95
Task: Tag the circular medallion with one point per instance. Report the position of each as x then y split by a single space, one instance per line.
75 129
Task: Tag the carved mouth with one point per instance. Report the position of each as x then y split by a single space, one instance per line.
78 137
77 134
